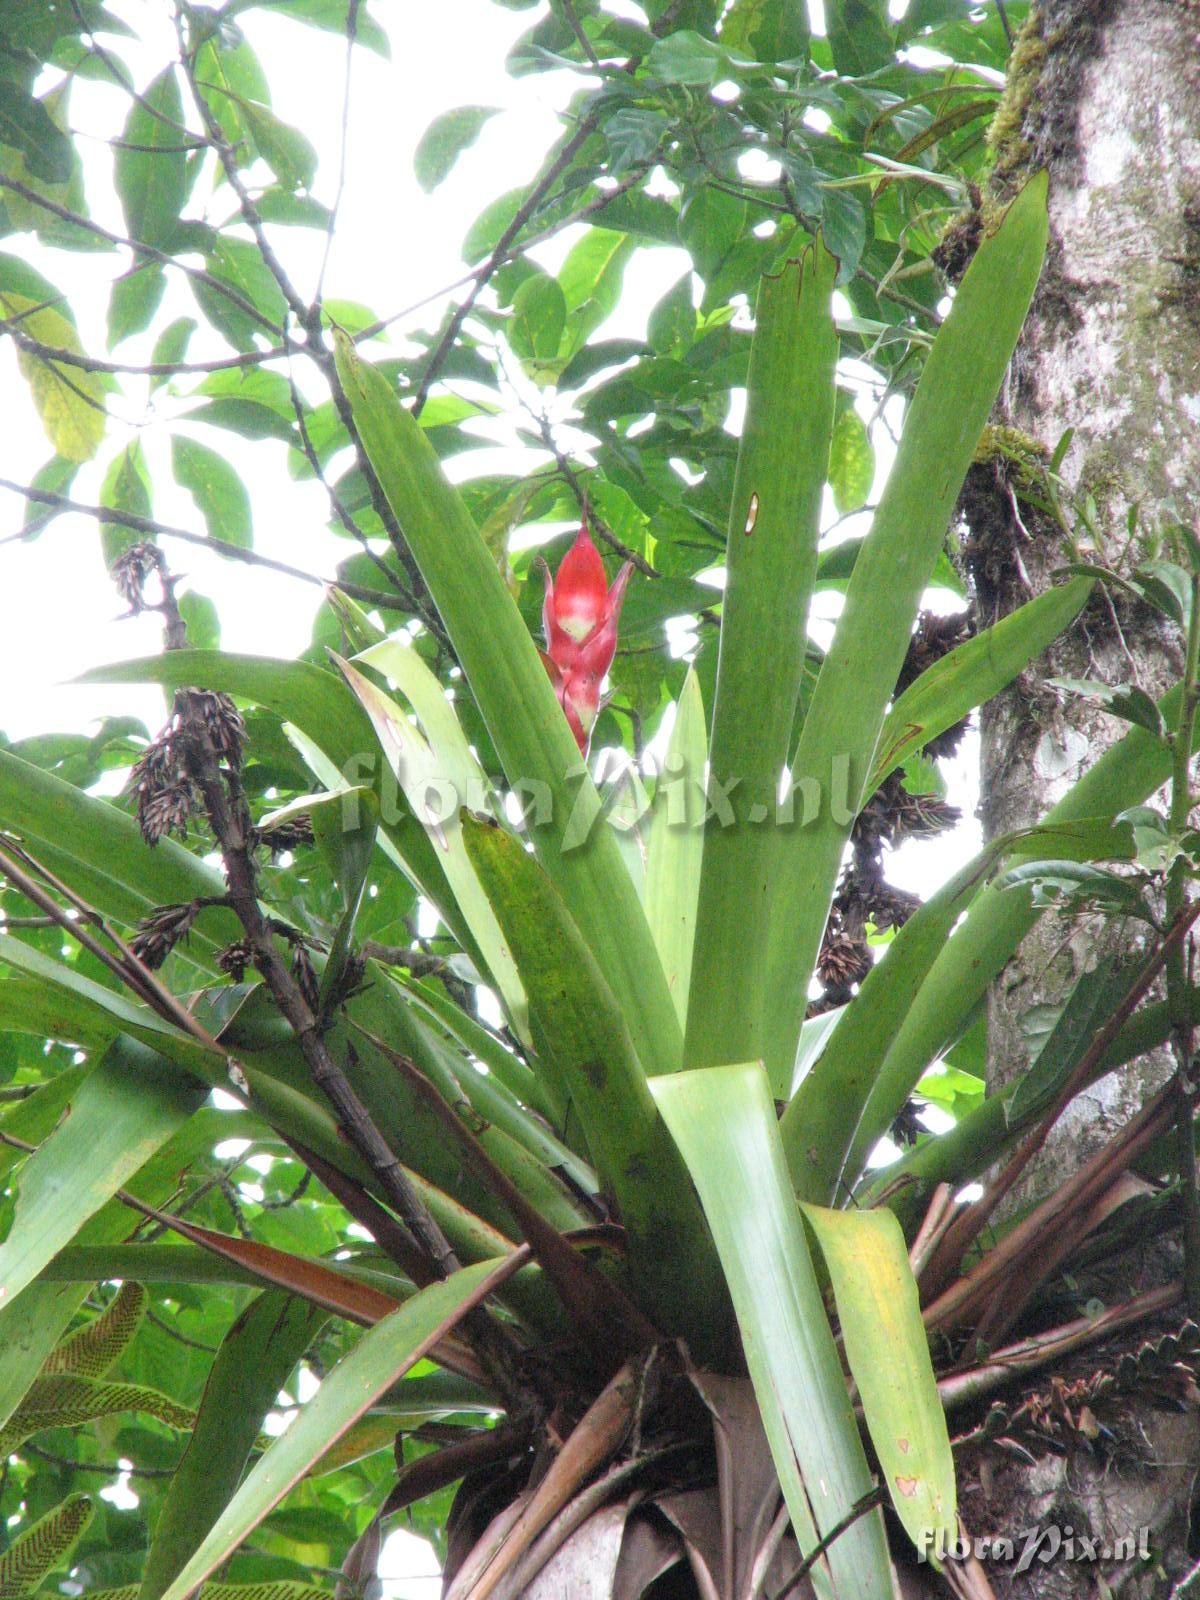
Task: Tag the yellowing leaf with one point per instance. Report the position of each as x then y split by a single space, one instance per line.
69 400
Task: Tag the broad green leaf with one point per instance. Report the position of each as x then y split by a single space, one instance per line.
888 1353
171 346
710 224
133 300
26 125
126 487
676 844
518 704
766 30
201 620
859 35
774 523
1124 700
218 491
687 57
971 674
68 399
958 387
672 322
445 139
287 151
539 317
150 165
1090 1004
580 1031
254 1363
123 1111
383 1354
330 15
851 462
723 1120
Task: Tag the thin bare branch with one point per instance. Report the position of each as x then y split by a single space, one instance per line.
222 547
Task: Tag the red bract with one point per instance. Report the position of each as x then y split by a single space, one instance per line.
580 620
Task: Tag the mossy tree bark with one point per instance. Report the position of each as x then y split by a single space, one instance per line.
1106 94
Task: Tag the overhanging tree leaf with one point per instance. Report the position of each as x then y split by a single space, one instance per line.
445 139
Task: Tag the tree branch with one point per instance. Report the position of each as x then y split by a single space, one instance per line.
147 250
483 275
222 547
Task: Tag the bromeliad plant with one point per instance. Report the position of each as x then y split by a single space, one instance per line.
633 1230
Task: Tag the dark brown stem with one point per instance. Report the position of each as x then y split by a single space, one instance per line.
152 369
484 274
571 478
859 1509
216 777
601 1313
146 250
233 552
967 1226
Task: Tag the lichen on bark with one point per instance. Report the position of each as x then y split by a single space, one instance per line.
1106 94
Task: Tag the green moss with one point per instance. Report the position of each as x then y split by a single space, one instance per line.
1007 135
1018 450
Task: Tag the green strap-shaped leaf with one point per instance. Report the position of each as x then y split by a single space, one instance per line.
774 522
100 852
382 1355
861 1079
1124 776
581 1029
836 753
676 846
846 1102
978 1138
92 1349
886 1347
970 675
254 1362
723 1120
39 1549
123 1112
436 782
513 692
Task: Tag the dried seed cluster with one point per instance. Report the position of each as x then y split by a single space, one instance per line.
889 817
162 782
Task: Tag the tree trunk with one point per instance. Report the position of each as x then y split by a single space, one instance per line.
1106 94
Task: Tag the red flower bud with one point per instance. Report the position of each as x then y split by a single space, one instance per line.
580 619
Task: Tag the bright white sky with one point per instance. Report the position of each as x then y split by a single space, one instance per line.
395 246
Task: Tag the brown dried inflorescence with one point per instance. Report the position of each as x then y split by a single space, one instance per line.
159 933
162 782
